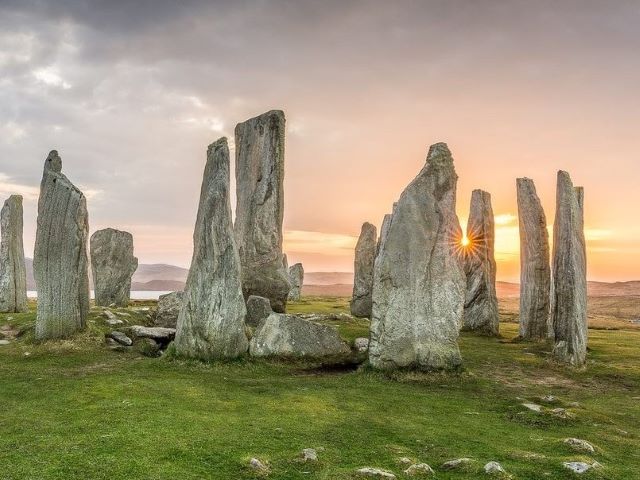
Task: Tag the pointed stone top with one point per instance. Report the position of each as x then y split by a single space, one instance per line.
564 176
367 226
14 198
53 162
439 155
222 141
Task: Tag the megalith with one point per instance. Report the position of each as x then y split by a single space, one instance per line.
13 276
419 283
363 264
569 292
211 321
112 266
260 207
60 260
296 277
481 302
535 270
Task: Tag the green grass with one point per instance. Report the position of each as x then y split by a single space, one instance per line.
76 410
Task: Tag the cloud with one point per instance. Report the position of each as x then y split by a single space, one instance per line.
50 76
9 187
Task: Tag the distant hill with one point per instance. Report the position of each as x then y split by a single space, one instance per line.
162 277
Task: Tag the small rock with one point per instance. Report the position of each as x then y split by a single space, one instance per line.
493 467
4 342
111 318
375 473
561 413
121 338
549 399
534 407
159 334
148 347
419 469
405 461
258 466
361 344
578 467
27 354
579 445
457 463
309 455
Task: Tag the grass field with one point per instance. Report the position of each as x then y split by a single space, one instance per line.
77 410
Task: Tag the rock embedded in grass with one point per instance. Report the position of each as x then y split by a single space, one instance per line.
535 271
580 467
160 335
363 265
258 309
211 322
579 445
569 292
13 276
309 455
419 469
375 473
419 283
168 309
60 260
260 207
258 466
112 266
121 338
361 344
493 468
290 336
456 463
481 302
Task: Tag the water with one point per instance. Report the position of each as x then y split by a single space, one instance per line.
135 295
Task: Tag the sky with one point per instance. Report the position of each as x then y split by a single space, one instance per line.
131 94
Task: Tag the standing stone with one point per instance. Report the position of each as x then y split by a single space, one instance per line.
296 277
365 257
384 229
168 309
112 265
569 296
260 207
419 282
13 276
481 302
535 271
285 262
60 260
211 322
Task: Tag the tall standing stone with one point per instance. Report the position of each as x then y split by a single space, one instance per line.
569 293
60 260
260 207
535 271
112 265
419 282
211 321
13 276
296 277
363 265
481 302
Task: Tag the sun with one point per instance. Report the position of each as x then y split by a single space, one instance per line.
465 241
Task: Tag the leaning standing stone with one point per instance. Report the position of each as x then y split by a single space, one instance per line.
569 296
211 322
481 302
296 277
260 207
535 271
365 257
112 264
60 260
419 282
13 276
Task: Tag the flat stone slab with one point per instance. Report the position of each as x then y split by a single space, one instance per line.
120 337
159 334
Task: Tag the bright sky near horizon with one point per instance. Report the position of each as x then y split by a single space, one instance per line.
131 94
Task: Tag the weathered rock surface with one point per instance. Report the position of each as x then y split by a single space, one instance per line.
159 334
493 468
290 336
579 445
361 344
168 309
363 266
457 463
375 473
60 260
569 293
296 277
384 229
258 309
112 266
580 467
260 207
13 276
309 455
535 271
419 469
481 302
211 322
120 337
419 284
